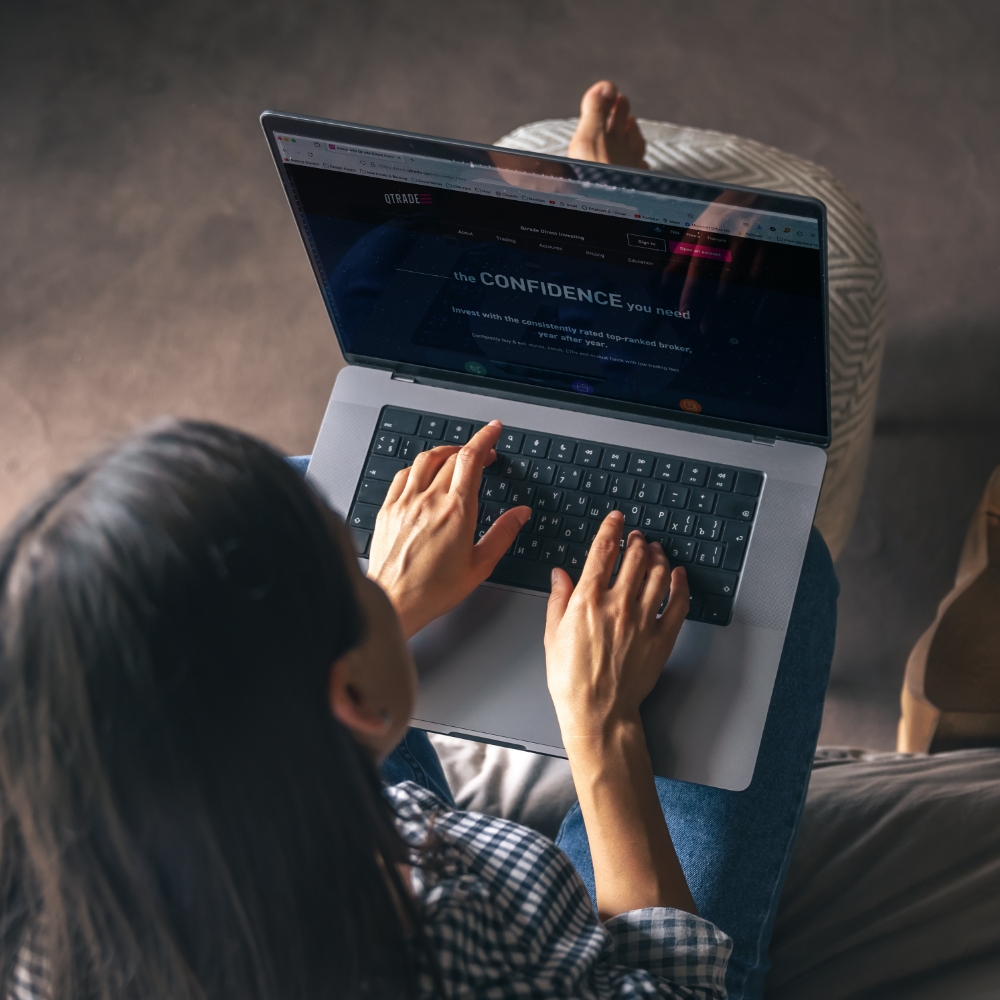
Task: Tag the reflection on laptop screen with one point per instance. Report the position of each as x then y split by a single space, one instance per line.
638 297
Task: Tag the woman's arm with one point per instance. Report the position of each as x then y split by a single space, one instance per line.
422 551
605 647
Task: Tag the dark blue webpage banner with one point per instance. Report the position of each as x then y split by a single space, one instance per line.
727 326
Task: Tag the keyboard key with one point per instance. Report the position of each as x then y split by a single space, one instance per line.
708 528
702 500
361 540
363 516
382 468
721 479
667 470
632 512
641 465
431 427
589 455
680 523
409 448
568 476
648 491
733 559
457 431
528 547
554 552
490 512
621 487
748 483
599 508
717 610
400 421
548 524
594 482
386 444
520 494
655 519
576 557
694 474
535 446
548 499
675 496
516 468
615 460
373 491
735 531
680 550
542 473
709 554
562 450
574 529
736 506
712 581
494 489
510 442
576 504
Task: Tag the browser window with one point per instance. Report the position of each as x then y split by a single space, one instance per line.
641 297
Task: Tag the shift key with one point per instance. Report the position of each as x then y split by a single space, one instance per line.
363 516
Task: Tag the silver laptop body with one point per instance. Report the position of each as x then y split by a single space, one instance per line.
482 669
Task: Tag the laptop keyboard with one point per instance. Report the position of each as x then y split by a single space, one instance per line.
701 514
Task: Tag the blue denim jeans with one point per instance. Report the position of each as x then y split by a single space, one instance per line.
734 847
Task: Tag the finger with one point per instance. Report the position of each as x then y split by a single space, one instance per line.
635 562
603 553
425 467
562 591
678 606
654 590
488 551
396 486
474 457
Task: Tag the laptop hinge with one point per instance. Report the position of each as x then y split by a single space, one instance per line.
402 378
760 439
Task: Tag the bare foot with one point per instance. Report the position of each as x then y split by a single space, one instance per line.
607 132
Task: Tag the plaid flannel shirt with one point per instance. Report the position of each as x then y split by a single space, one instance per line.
508 916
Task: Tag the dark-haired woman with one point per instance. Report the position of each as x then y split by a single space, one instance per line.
196 686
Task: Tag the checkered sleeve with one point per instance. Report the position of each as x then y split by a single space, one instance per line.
507 916
683 949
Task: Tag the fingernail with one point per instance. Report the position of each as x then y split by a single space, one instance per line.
494 423
552 578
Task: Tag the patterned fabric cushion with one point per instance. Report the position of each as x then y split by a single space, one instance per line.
857 280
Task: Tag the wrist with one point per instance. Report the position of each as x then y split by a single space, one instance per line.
592 743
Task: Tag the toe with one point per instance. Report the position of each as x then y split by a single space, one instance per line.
619 116
597 103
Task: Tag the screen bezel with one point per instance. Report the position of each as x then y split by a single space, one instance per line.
479 153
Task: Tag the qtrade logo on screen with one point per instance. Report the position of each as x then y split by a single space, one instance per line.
420 198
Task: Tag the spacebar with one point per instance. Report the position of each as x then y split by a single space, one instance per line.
522 573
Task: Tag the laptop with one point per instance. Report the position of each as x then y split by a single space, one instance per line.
652 343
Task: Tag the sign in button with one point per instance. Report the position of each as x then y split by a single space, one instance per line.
646 242
699 250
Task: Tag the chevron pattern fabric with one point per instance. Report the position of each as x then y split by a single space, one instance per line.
856 280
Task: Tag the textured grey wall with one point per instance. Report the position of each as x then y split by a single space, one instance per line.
148 264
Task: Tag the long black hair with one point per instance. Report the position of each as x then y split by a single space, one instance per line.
180 814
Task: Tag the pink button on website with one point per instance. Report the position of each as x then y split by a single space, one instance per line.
697 250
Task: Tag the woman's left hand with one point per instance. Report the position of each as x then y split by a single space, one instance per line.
422 552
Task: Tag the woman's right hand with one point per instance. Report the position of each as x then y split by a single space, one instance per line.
605 645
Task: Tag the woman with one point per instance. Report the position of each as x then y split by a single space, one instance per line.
196 686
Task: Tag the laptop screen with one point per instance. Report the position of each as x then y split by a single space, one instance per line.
650 294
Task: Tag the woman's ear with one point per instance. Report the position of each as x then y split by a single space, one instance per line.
354 705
